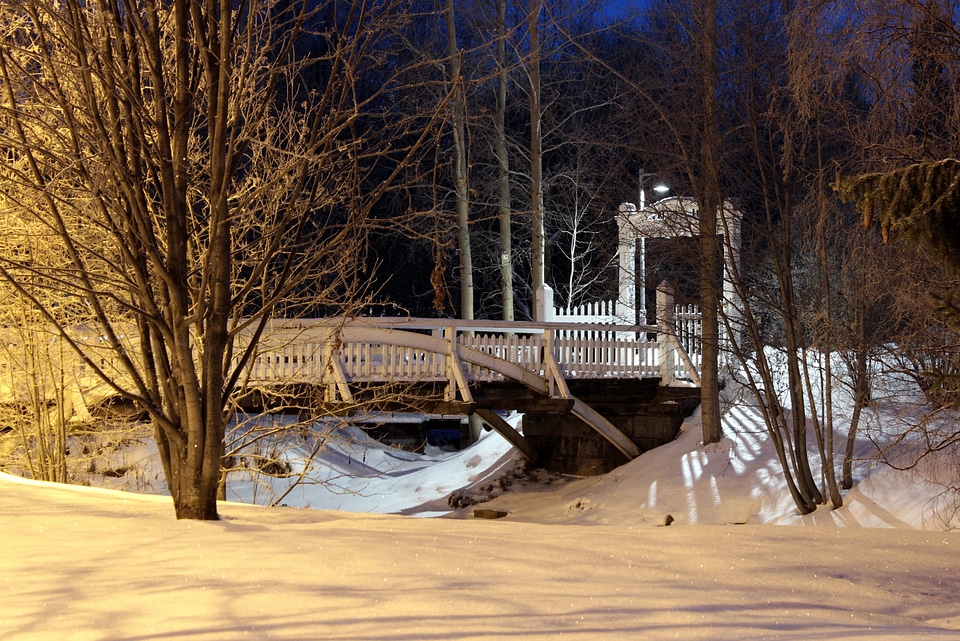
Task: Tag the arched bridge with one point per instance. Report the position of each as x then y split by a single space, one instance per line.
339 357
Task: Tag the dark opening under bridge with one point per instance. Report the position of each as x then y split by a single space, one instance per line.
604 375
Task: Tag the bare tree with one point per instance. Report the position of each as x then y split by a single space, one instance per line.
503 165
766 141
908 174
202 164
458 122
538 260
580 234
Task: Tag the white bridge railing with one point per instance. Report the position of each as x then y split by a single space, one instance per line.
397 350
338 355
337 352
681 321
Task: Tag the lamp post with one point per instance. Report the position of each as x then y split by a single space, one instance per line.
659 187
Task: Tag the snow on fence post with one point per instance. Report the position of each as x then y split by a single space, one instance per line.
666 347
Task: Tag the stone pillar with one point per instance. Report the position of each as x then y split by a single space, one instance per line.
627 252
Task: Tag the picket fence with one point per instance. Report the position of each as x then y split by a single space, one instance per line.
686 325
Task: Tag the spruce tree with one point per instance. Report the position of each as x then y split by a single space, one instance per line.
919 203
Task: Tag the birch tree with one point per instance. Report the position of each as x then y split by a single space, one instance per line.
503 164
538 259
458 123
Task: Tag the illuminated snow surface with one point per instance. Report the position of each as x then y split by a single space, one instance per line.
573 559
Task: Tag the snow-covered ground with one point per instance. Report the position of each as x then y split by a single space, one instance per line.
581 559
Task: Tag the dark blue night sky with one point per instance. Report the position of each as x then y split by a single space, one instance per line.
621 8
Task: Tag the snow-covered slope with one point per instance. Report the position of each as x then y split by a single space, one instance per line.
736 481
80 564
579 559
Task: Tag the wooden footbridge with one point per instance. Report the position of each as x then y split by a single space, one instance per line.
458 362
455 367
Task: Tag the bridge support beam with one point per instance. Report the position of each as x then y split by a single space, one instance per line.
505 430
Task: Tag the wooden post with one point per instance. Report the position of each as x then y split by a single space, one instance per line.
666 347
450 362
551 370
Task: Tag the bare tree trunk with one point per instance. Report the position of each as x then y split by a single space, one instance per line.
861 396
826 430
503 167
794 347
536 151
458 107
710 202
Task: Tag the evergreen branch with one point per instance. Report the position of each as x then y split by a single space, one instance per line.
920 202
